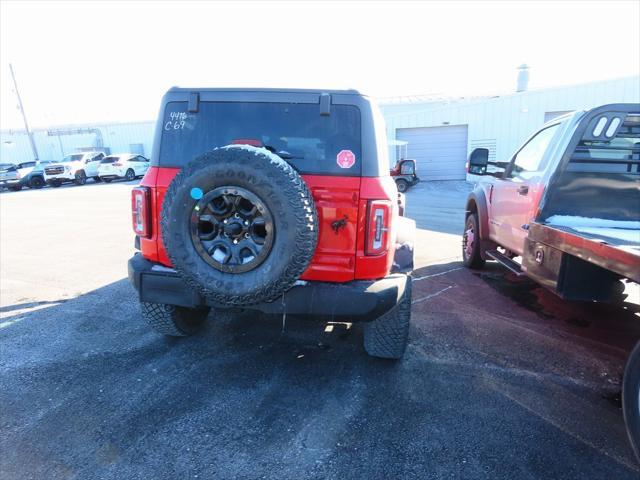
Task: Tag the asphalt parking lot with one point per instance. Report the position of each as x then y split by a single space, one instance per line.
500 380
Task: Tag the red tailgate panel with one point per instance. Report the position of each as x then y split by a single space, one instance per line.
336 199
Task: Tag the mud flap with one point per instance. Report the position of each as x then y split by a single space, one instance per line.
405 241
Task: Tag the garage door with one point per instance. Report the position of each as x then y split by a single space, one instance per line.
440 152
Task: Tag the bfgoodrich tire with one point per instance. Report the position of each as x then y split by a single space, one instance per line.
387 336
631 398
173 320
239 225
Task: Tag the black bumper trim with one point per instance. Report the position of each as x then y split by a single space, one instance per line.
358 300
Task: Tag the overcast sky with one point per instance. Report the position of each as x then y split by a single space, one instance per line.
89 61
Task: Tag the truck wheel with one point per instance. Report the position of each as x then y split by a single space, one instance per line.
36 182
81 178
130 175
403 185
56 183
97 179
387 336
631 398
471 243
173 320
239 225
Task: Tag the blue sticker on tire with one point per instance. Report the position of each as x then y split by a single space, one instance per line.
196 193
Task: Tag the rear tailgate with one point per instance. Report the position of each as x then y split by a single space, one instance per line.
324 149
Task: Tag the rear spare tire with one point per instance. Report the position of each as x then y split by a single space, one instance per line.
239 225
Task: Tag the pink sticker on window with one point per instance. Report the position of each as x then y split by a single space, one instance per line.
345 159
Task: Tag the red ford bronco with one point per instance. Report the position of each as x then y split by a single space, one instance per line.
278 201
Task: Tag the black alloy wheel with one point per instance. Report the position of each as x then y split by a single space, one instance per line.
232 229
36 182
81 178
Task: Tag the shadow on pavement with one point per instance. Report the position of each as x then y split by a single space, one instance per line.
88 391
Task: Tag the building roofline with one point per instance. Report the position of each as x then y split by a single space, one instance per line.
440 98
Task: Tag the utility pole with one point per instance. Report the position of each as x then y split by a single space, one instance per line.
24 116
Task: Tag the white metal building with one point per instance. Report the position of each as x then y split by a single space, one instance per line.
441 133
438 133
56 142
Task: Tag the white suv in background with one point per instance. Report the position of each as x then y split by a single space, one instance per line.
74 168
124 165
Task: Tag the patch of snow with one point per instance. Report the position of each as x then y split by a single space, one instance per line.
577 222
632 236
273 158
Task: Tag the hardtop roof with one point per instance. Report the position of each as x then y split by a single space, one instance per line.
269 90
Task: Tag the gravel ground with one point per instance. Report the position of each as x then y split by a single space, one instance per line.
500 380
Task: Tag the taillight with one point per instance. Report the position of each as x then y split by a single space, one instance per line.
141 211
378 217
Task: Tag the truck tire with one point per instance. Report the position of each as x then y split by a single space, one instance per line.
239 225
36 182
80 178
402 185
387 336
172 320
130 175
631 399
97 179
471 243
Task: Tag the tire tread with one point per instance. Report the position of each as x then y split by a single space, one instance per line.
387 336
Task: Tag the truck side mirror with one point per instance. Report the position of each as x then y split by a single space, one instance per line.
478 160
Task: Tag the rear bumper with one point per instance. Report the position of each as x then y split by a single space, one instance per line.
110 173
360 300
12 182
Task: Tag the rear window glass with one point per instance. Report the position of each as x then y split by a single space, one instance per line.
108 159
621 154
311 142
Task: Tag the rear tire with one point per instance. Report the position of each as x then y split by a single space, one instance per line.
631 399
403 185
81 178
56 183
36 182
130 175
387 336
97 179
173 320
471 256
